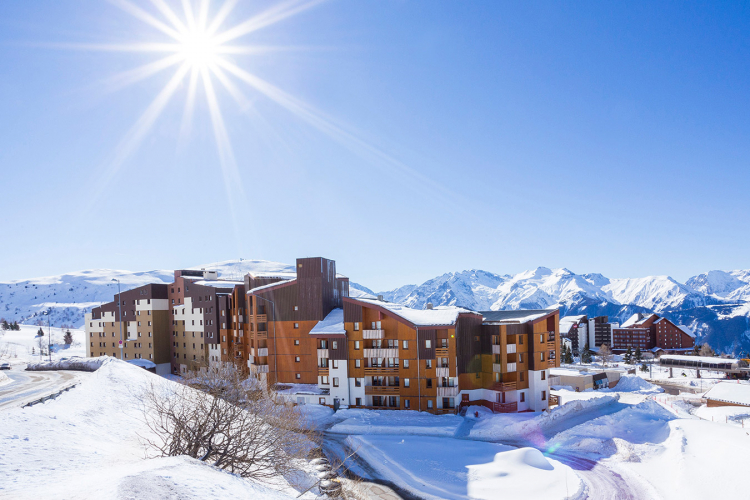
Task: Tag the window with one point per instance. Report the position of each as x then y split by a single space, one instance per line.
322 401
296 359
522 376
523 397
356 327
407 405
406 382
520 339
358 401
544 395
406 363
520 357
296 342
296 308
357 382
428 363
334 363
356 345
429 404
541 356
324 380
544 375
296 375
357 363
405 344
296 325
335 381
428 382
428 344
334 344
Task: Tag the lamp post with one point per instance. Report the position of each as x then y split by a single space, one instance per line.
119 306
49 337
273 315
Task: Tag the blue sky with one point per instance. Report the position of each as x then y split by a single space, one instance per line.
601 137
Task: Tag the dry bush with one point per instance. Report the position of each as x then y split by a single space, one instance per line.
219 416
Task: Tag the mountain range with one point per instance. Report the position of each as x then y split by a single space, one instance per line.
716 304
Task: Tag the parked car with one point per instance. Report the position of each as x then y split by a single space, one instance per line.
4 366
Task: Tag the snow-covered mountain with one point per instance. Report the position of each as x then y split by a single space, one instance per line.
715 304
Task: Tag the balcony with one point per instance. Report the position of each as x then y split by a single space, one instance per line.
380 353
259 368
510 348
503 386
373 334
260 318
322 353
441 372
496 349
262 351
505 407
381 390
381 370
447 392
323 371
498 368
250 360
441 352
551 346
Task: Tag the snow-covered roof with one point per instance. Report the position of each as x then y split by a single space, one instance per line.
333 324
701 359
565 372
287 275
219 283
567 322
514 316
686 330
271 285
730 392
441 315
636 319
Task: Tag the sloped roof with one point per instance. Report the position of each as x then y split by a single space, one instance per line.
270 285
333 324
515 316
438 316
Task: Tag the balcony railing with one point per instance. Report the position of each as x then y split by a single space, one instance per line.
262 351
381 353
505 407
261 318
322 371
381 370
496 349
441 352
442 372
508 368
322 353
259 368
511 348
503 386
447 392
378 390
372 334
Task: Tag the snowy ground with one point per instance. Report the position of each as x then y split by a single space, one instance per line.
23 346
85 445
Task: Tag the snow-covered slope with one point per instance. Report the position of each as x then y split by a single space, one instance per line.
658 293
732 285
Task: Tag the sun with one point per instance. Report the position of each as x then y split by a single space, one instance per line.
199 48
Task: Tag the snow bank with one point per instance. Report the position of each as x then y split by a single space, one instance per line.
4 379
81 364
634 383
445 468
511 427
86 445
143 363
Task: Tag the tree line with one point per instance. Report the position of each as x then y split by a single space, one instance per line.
4 325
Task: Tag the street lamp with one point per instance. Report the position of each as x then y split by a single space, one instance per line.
119 306
49 338
273 314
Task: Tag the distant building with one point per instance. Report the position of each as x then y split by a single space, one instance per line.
652 331
600 331
728 394
575 329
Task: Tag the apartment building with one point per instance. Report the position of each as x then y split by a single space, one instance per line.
651 331
600 331
144 326
575 329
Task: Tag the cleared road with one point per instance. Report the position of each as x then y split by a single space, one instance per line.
29 386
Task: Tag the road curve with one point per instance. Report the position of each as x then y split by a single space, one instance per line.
29 386
602 482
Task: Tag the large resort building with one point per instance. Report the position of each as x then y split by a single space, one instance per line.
302 333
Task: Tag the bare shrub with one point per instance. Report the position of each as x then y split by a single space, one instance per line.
219 416
605 353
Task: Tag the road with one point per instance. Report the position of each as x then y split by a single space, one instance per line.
29 386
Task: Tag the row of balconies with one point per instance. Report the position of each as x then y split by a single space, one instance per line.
509 349
498 367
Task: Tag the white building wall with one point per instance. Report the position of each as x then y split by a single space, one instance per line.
583 335
357 392
342 391
536 387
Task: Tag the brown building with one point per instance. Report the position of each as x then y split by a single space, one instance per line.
652 331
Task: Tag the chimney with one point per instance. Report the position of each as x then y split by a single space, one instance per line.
428 306
380 298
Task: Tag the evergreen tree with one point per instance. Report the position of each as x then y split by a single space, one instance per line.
40 333
629 356
586 354
568 355
638 355
15 326
4 324
68 338
644 368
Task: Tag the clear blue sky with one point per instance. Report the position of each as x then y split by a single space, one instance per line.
599 136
